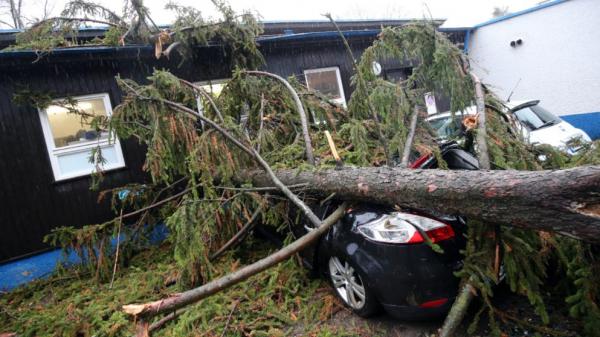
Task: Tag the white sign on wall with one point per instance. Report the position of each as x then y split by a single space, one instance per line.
430 103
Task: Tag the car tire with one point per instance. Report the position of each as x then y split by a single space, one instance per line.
349 286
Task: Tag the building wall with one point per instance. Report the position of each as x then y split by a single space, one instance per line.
31 202
293 59
556 63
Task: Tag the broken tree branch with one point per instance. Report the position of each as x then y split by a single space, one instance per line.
482 150
409 139
116 263
458 310
460 306
309 151
338 161
161 322
361 82
237 238
180 300
247 149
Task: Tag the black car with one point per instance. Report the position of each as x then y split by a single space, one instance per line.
376 256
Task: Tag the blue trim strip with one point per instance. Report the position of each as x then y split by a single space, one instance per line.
525 11
147 48
78 50
16 273
23 271
266 22
588 122
319 35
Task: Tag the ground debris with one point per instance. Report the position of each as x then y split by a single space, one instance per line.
273 303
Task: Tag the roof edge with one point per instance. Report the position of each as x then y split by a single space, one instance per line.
149 48
521 12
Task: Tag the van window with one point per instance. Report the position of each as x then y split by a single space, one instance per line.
535 117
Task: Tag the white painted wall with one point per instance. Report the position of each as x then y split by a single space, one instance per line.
558 62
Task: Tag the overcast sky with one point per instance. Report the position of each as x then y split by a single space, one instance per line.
458 12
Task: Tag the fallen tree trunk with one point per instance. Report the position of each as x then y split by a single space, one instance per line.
562 201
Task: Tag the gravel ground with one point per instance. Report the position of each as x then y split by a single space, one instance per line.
384 325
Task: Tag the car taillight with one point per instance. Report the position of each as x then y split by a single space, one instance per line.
434 303
405 228
420 161
441 233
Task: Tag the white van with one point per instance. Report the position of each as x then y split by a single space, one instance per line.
538 125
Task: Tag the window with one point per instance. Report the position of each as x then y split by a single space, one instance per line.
328 82
70 139
535 117
213 88
398 75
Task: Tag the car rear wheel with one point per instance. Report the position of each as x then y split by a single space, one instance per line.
350 287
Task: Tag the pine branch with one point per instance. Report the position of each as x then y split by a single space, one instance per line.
361 82
248 150
308 143
176 301
238 237
73 19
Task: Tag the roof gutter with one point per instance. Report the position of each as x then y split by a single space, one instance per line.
143 50
138 49
319 35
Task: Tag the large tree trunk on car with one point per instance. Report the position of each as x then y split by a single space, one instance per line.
562 201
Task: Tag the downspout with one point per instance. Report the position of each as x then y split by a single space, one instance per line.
466 43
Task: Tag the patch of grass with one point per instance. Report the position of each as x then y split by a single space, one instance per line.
273 303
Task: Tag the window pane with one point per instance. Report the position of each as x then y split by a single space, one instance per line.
324 82
214 88
78 162
71 129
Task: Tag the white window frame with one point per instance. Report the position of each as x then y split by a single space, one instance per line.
342 99
54 152
199 106
205 83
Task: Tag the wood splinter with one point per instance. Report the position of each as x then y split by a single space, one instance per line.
338 161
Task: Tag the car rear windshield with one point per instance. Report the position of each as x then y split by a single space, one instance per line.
535 117
446 127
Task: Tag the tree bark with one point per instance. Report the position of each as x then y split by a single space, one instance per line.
458 311
562 201
409 139
482 150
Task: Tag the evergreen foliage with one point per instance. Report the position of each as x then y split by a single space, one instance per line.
235 33
270 304
186 157
528 256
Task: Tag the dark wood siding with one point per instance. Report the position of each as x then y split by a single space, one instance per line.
291 59
31 202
